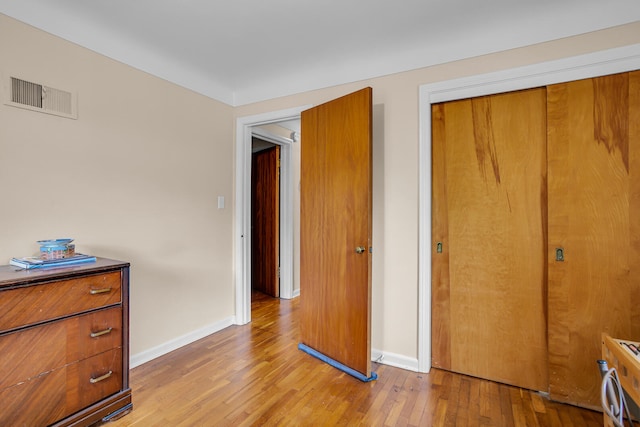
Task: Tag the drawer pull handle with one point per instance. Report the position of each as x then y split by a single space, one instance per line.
99 291
100 333
101 378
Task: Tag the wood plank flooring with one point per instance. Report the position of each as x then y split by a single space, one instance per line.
254 375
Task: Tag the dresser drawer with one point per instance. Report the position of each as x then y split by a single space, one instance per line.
33 304
44 347
53 345
94 333
35 403
93 379
54 395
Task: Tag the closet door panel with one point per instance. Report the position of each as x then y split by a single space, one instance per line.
634 203
440 295
594 207
489 183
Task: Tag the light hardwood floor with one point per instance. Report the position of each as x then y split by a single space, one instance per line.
254 375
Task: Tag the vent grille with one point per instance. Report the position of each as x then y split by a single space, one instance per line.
26 93
38 97
56 100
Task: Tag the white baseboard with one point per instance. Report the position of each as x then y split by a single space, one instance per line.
395 360
148 355
385 358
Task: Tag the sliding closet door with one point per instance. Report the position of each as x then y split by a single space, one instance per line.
594 227
489 246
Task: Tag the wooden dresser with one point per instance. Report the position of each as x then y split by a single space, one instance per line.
64 344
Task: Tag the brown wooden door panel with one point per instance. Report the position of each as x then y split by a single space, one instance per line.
335 281
265 221
489 205
594 206
440 284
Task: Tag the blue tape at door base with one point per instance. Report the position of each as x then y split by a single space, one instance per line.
337 364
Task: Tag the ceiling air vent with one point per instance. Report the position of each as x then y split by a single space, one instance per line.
38 97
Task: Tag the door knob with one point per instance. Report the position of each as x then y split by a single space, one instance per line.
360 250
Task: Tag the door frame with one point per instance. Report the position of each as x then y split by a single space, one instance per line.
246 127
595 64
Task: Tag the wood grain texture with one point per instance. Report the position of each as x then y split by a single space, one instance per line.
33 304
57 344
19 408
17 347
335 281
254 375
593 214
634 200
81 392
440 289
489 203
42 368
11 276
107 323
48 353
265 221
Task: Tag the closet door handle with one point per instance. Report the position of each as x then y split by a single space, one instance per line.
560 254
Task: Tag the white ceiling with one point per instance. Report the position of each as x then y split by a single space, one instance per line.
242 51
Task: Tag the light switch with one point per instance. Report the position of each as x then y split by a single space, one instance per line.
220 202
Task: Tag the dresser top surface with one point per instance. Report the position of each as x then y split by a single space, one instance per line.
11 275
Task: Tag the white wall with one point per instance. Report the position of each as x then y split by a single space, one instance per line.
135 177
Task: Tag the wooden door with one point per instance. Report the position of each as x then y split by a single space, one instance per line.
265 221
335 220
489 238
594 216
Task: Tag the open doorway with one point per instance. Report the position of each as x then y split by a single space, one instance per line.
265 218
275 128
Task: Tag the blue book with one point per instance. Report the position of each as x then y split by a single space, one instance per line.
30 263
